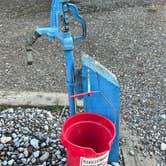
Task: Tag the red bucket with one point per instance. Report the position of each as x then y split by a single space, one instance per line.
88 138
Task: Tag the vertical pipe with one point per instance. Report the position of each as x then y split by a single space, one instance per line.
70 79
56 9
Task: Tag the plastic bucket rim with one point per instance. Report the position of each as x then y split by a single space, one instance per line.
107 130
88 113
64 140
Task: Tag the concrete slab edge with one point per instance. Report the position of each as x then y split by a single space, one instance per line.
35 98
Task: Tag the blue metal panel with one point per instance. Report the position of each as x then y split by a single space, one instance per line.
106 100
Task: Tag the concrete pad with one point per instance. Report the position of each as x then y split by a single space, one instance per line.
34 99
130 141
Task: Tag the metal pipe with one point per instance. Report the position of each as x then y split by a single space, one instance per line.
70 79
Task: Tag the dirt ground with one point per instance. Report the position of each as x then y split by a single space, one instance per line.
115 37
128 38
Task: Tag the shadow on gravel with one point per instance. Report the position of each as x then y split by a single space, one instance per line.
18 8
88 6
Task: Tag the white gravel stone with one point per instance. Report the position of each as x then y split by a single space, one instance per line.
46 127
36 154
1 146
44 164
4 162
43 144
35 143
21 155
5 139
26 153
163 147
11 162
20 149
33 160
131 152
115 164
44 157
163 116
64 159
24 161
14 135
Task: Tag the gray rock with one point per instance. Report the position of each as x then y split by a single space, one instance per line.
58 152
21 155
44 157
131 152
11 149
5 139
163 147
33 160
46 127
26 130
11 162
114 164
1 146
59 156
4 162
26 144
47 140
17 143
26 154
18 126
36 154
64 159
61 147
28 160
35 143
24 161
21 149
53 135
14 135
53 162
44 164
9 153
3 116
43 145
10 110
163 116
13 156
26 139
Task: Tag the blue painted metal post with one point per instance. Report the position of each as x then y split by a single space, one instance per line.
70 79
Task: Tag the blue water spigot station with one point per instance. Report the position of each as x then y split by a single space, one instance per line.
60 10
97 86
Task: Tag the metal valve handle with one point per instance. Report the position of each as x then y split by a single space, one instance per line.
75 12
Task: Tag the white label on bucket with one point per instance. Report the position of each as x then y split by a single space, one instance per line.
99 161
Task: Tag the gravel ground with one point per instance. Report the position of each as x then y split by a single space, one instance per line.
130 40
31 137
